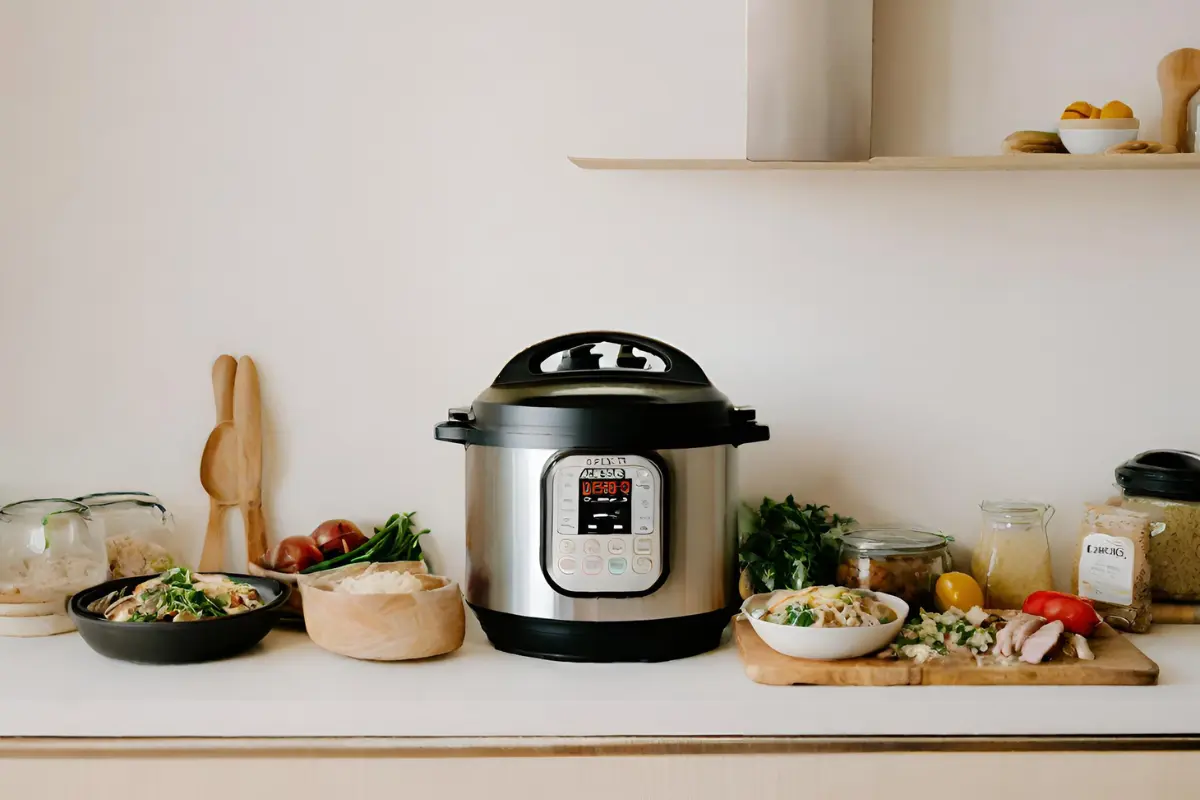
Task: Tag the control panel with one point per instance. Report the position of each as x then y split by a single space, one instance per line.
605 524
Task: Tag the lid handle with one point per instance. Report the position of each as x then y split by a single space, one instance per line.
526 366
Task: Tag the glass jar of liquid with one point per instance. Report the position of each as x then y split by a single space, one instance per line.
1012 558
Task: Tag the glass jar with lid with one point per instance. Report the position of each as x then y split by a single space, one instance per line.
48 549
1166 484
137 530
905 562
1012 559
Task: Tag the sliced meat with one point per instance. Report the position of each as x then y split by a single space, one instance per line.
1041 642
1082 648
1003 645
1015 633
1028 627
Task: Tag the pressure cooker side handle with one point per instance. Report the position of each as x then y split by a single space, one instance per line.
526 366
457 429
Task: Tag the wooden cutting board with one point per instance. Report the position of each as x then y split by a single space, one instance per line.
1118 663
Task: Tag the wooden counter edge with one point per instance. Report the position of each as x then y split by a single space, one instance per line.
525 747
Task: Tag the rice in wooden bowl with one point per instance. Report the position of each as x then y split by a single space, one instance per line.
294 610
383 612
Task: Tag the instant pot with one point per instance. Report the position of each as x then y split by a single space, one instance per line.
602 501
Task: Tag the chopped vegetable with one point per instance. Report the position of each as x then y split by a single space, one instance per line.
789 546
933 635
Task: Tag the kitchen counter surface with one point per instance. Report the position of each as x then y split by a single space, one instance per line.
288 687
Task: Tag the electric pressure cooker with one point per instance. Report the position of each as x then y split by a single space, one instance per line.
602 501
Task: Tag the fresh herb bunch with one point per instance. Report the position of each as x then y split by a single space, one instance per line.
397 540
177 594
789 546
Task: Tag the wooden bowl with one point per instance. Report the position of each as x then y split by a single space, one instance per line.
295 605
384 627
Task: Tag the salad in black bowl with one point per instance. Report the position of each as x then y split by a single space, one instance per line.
178 617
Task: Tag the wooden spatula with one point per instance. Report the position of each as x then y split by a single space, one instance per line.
1179 79
247 419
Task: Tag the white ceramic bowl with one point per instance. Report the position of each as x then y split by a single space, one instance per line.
826 644
1089 137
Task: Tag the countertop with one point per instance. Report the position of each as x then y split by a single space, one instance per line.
288 687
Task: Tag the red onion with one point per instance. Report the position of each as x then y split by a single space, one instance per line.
337 536
293 554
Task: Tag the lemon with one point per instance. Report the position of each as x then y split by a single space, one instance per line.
957 589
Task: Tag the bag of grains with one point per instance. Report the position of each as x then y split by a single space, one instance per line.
1112 566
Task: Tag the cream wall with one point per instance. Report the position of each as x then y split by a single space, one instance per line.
373 199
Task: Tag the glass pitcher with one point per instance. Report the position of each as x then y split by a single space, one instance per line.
49 549
1012 558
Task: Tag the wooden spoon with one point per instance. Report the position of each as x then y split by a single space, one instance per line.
219 464
1179 79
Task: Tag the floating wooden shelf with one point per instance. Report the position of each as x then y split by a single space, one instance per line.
1011 163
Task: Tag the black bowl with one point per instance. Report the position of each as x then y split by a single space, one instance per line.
177 642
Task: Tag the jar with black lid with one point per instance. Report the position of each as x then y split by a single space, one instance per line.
1166 484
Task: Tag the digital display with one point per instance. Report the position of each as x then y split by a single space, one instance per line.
604 501
606 487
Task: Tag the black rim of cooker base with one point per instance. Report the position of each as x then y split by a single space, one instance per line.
642 640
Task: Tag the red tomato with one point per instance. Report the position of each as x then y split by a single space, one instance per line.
1075 613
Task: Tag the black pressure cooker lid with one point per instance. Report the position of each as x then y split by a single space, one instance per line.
581 404
1169 474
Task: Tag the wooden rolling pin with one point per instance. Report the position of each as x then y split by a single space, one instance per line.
1171 614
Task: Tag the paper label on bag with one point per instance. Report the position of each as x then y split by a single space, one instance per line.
1106 569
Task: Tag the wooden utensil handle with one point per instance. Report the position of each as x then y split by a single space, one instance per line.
1174 123
214 540
1165 614
223 374
256 530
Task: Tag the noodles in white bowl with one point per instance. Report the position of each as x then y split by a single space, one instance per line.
826 622
826 607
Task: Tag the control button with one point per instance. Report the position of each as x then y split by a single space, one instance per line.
591 546
568 546
640 565
567 565
568 522
568 503
642 546
593 564
643 525
616 547
617 566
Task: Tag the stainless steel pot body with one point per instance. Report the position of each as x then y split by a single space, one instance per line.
505 530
